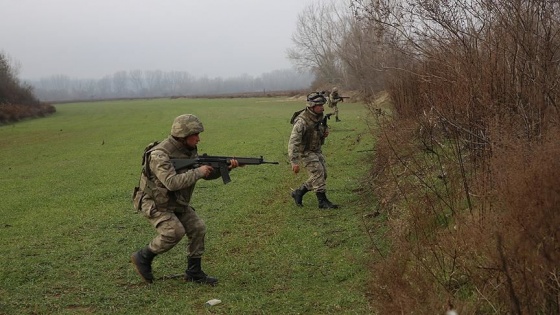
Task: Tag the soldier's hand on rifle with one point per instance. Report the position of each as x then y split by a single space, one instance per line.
295 168
326 133
233 163
206 170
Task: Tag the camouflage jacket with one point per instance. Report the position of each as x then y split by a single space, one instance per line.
161 184
334 98
307 136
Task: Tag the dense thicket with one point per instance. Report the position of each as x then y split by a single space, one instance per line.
17 100
473 139
466 169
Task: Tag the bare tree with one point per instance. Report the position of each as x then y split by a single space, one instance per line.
120 83
137 82
319 38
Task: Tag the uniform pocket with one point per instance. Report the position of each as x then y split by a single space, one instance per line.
161 197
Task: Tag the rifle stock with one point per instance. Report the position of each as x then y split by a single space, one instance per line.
220 162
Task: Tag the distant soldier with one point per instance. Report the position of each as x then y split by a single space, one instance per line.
333 100
304 146
164 196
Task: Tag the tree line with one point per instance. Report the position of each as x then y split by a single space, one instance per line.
157 83
465 173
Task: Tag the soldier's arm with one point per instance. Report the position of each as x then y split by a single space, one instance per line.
163 169
296 141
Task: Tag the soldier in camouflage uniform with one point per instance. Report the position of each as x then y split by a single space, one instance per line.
304 146
163 197
333 100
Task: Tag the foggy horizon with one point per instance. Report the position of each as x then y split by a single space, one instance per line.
91 40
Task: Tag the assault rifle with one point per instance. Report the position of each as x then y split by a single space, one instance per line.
219 162
325 118
323 122
343 97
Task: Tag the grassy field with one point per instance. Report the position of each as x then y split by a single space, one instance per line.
68 228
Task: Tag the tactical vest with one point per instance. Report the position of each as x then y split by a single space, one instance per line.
314 131
148 186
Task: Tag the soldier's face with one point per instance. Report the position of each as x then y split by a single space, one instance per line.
318 109
192 140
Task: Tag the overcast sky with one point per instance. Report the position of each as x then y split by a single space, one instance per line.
94 38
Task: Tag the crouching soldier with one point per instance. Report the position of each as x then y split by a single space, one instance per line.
164 196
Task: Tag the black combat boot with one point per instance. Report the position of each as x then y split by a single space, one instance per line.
324 203
298 195
142 261
194 273
337 120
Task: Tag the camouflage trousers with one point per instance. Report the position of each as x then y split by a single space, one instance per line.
171 227
316 168
335 108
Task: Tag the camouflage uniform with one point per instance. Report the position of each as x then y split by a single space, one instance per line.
164 196
167 196
304 145
333 100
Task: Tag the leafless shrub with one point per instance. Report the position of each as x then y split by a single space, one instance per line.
466 170
16 99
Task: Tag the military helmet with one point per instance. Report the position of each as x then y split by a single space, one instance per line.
186 125
335 89
315 98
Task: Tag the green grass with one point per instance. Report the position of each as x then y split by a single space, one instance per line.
68 229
